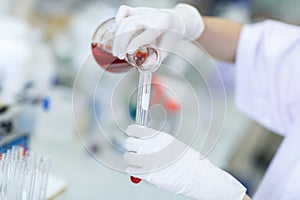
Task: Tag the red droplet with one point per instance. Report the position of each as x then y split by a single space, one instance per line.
135 180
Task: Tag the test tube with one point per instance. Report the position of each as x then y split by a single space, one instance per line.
143 98
19 179
142 107
2 174
28 184
146 67
30 174
44 168
23 177
11 176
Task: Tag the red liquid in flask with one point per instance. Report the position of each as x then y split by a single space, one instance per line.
108 62
112 64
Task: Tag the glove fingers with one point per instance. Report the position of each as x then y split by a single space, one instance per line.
123 12
147 146
166 43
133 159
126 31
146 163
146 37
140 131
155 153
132 144
137 172
127 11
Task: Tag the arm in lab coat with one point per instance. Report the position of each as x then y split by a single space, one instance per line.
268 90
266 56
267 74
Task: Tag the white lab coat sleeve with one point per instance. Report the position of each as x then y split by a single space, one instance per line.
267 74
282 178
292 186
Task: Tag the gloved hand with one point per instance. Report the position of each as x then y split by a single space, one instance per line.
166 162
160 27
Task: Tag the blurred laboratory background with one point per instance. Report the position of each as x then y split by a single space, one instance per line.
55 100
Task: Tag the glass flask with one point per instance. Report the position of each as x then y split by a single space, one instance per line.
102 43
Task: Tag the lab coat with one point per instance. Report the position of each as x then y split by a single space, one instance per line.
268 90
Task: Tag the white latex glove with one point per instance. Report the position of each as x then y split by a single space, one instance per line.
166 162
162 28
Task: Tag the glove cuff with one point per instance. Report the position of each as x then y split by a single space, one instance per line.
194 25
214 184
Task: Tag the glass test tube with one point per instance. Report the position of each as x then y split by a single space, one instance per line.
143 98
142 107
23 177
44 168
144 87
